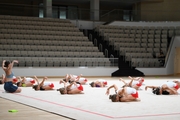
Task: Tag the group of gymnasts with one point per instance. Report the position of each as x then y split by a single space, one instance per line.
73 84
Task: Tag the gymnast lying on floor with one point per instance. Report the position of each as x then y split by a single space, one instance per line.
125 94
70 78
71 88
134 83
99 83
25 82
167 88
43 85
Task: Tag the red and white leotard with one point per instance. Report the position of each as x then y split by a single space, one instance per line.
31 80
77 86
137 83
132 91
171 85
15 79
103 81
49 84
81 79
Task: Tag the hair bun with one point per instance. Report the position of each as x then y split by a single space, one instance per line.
156 91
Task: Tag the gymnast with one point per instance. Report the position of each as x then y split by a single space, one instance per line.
8 81
167 88
134 83
26 82
70 78
14 80
71 88
43 85
80 79
99 83
125 94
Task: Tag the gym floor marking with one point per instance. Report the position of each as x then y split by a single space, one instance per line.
138 116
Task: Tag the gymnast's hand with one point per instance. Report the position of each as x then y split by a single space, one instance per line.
107 92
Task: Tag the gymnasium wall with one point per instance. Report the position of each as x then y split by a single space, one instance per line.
62 71
159 10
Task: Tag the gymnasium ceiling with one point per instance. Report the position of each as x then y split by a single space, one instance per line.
112 1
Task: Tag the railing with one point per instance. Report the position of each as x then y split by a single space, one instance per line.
136 15
86 14
168 52
39 11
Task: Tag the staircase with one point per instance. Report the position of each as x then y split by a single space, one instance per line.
124 67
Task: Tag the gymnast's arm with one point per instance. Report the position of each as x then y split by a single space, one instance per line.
150 87
112 86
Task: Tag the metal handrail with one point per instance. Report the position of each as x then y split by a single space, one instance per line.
169 50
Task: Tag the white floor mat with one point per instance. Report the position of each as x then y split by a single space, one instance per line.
94 104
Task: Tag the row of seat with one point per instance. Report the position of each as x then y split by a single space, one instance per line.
10 53
35 27
26 18
49 48
121 31
140 47
40 37
118 45
37 23
136 40
135 27
129 55
57 59
144 62
58 62
147 36
169 31
123 50
45 42
40 32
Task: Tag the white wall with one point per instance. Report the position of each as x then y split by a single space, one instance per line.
62 71
170 66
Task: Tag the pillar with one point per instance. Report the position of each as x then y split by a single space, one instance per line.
47 8
94 6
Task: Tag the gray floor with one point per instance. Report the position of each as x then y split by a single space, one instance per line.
94 104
